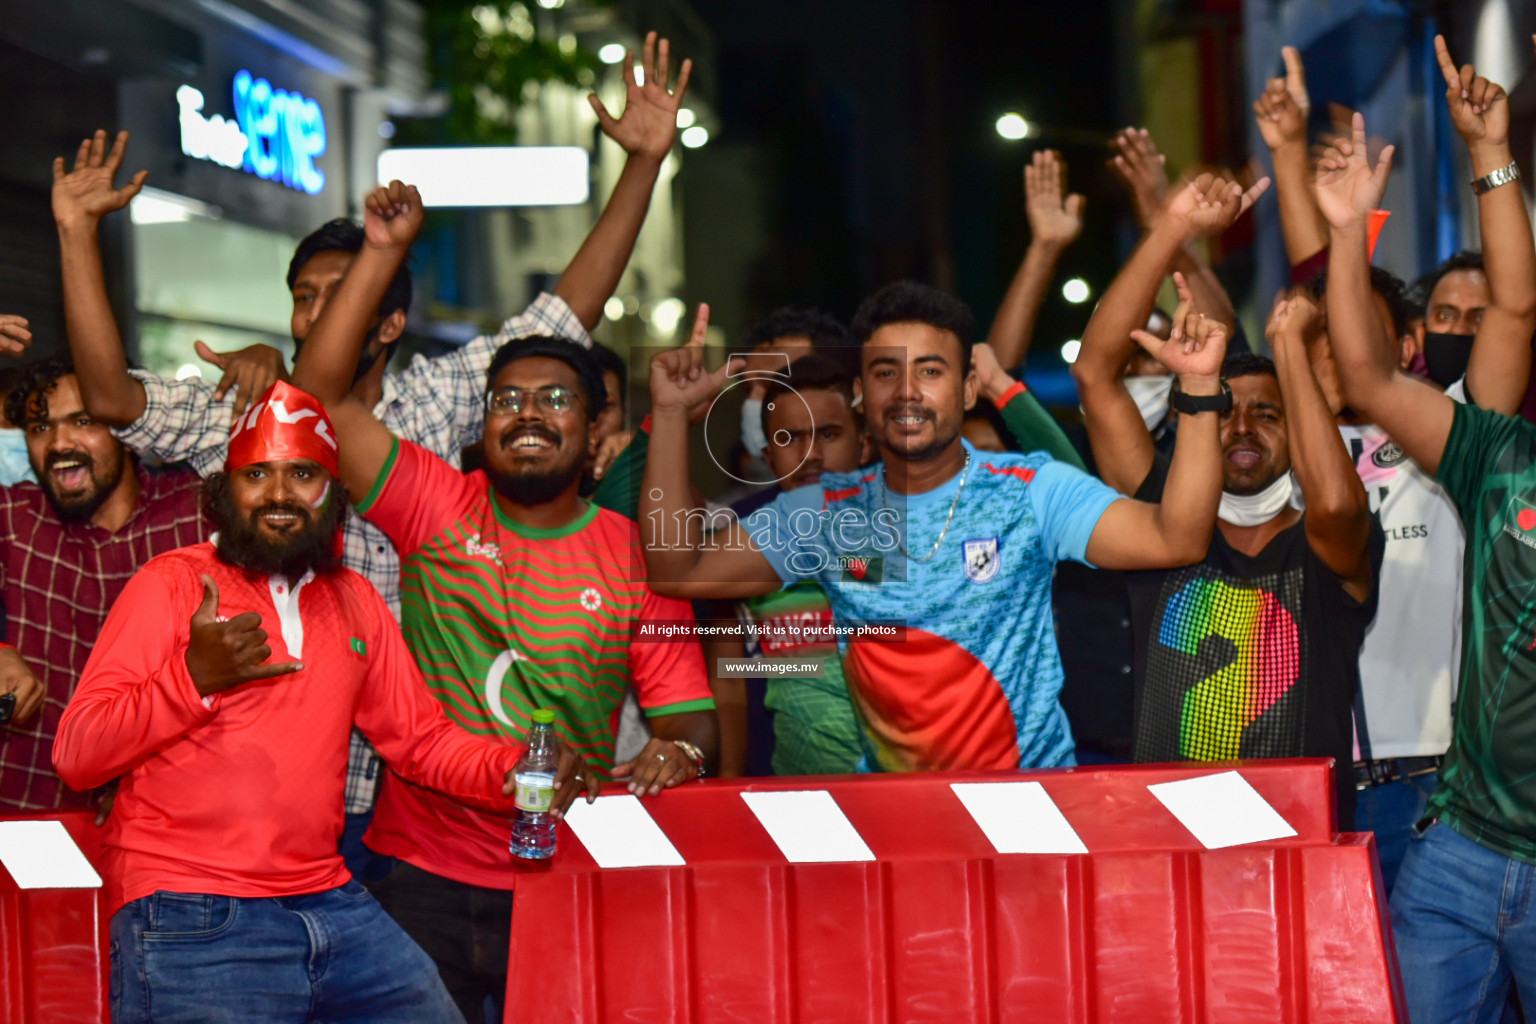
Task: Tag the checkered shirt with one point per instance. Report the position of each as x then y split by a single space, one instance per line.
60 581
436 403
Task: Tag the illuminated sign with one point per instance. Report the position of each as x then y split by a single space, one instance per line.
276 135
492 175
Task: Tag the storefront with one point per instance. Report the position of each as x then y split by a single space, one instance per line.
244 159
247 115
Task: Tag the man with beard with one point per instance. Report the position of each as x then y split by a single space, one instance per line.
518 594
71 542
950 548
223 690
1254 651
436 403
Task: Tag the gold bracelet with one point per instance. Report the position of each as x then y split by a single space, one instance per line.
694 754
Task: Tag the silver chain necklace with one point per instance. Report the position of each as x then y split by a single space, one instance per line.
885 490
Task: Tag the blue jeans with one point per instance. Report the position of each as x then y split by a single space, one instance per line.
1461 916
1391 810
331 956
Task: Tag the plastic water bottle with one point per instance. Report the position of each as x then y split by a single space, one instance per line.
533 830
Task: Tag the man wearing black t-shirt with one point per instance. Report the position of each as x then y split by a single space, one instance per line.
1254 651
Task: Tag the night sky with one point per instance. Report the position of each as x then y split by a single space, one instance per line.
872 123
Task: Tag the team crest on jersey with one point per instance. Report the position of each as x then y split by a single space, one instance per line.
591 600
1388 455
981 559
1520 521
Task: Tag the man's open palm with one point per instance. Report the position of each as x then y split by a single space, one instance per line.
649 122
87 192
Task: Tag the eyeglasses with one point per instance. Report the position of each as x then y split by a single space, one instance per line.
509 401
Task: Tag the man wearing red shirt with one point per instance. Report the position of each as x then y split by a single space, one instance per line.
223 691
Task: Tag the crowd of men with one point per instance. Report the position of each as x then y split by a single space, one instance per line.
288 638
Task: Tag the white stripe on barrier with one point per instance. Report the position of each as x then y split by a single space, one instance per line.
619 833
1018 817
808 826
1222 810
43 855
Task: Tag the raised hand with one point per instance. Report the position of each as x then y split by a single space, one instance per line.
1055 218
1479 108
1347 188
1210 204
14 336
1144 171
1293 319
250 371
392 216
649 122
223 655
1283 107
1196 345
992 380
86 194
679 379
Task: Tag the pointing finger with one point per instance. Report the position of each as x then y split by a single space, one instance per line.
1448 69
700 327
1295 73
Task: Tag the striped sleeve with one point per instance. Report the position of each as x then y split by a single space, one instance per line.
416 496
669 676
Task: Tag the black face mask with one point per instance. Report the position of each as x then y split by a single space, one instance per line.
1446 356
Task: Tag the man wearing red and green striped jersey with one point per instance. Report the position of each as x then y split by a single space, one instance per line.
517 595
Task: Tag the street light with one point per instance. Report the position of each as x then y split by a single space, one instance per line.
611 53
1069 351
1075 291
1013 127
695 137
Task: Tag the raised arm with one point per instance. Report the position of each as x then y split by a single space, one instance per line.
1145 173
1281 111
1338 519
1500 365
1055 221
80 199
392 218
1031 424
1177 531
645 131
1122 447
677 562
1417 415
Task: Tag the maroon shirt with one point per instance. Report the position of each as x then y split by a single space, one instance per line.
59 583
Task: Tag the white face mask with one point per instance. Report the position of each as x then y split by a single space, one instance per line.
1151 397
15 463
1253 509
752 436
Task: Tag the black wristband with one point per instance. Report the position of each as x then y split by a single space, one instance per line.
1193 404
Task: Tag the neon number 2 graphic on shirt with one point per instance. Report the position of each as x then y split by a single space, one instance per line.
1265 665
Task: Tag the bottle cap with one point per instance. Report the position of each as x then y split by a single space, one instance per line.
544 716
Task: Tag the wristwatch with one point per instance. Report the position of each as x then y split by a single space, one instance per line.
694 754
1493 179
1193 404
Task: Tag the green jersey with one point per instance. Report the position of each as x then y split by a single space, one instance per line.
1488 784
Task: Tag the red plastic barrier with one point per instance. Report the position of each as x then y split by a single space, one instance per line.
1149 926
53 942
